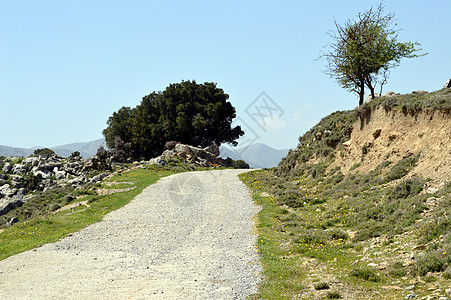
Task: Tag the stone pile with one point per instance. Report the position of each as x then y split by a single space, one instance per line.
41 173
203 157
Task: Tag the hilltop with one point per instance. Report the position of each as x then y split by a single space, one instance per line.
360 209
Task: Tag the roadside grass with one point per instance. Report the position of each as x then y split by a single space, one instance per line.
52 227
353 235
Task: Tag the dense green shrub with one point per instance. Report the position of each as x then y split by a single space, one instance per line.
401 168
408 187
240 164
45 152
321 286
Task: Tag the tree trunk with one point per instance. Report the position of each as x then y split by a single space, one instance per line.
362 91
372 92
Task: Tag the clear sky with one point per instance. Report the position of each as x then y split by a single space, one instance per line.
66 66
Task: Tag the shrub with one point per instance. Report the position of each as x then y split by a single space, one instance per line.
45 152
401 169
408 187
333 295
321 286
75 154
365 273
447 273
240 164
431 262
397 269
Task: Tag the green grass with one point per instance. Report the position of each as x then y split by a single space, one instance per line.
316 229
52 227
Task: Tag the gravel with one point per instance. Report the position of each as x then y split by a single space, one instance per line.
189 236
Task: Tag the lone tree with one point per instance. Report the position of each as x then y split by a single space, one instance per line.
187 112
364 50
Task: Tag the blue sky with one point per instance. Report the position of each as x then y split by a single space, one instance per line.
66 66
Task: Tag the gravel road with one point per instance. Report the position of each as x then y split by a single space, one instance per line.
186 237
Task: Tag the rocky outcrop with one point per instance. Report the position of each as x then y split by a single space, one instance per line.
203 157
11 198
447 84
42 173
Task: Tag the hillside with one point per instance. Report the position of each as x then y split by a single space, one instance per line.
361 208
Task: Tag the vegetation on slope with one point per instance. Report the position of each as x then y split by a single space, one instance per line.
324 234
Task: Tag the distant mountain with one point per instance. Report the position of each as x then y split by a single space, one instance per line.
86 150
256 155
13 151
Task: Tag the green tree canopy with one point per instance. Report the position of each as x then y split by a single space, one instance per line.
187 112
364 50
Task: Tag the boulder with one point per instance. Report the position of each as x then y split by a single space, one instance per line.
9 203
213 149
31 161
45 174
447 84
77 181
99 177
158 161
13 220
7 167
377 133
60 175
20 169
391 94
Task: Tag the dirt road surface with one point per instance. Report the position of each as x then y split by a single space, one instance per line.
186 237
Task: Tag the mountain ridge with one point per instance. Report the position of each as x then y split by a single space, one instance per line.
86 149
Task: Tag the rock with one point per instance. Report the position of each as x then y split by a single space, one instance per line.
158 161
60 175
347 143
20 169
391 94
369 144
9 203
7 167
410 296
45 174
393 135
13 220
319 136
70 198
99 177
447 84
369 98
448 291
431 201
377 133
213 149
78 181
31 160
169 153
419 92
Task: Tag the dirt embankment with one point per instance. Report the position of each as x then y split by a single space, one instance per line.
392 135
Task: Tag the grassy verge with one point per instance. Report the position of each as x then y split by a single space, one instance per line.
52 227
351 237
